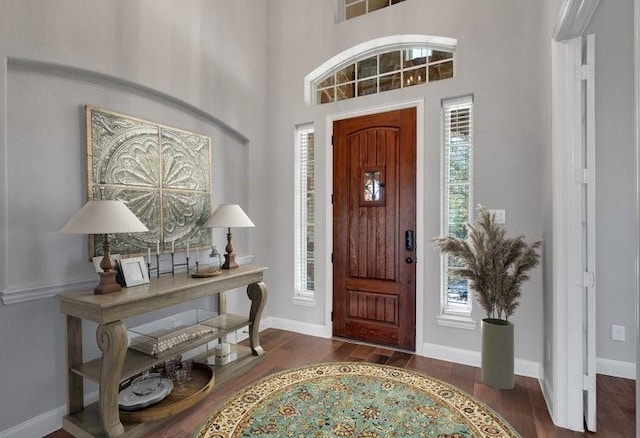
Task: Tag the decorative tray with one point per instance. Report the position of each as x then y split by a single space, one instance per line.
178 400
206 273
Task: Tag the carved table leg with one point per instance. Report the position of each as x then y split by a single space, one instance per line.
257 293
75 383
112 340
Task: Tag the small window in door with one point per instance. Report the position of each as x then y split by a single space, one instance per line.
372 192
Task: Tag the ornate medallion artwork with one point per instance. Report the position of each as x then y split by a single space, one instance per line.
161 173
353 400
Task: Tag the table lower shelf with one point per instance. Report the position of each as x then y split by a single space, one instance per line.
86 423
136 362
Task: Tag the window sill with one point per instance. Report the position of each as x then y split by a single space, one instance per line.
303 301
455 321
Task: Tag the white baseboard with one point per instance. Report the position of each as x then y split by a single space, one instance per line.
43 424
522 367
40 425
304 328
616 368
547 393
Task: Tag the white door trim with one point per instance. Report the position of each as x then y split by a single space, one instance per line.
420 237
567 402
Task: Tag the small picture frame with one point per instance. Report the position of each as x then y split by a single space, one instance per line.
97 259
134 271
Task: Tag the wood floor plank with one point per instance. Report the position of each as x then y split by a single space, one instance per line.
523 407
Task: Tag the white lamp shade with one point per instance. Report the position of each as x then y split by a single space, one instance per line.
229 216
104 217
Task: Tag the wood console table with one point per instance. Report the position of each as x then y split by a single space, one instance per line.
119 363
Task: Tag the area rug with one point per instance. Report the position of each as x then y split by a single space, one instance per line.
353 399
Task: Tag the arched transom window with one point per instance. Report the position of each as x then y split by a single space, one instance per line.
381 65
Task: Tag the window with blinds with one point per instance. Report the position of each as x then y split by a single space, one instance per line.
356 8
304 212
457 184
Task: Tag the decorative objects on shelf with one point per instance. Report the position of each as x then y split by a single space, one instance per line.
228 216
217 259
174 265
134 271
177 400
224 353
104 217
214 269
496 267
161 337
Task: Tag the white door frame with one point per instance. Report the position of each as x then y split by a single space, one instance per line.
420 191
566 400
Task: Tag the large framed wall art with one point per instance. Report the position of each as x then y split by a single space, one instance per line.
163 174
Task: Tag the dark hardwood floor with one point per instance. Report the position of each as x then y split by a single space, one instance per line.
523 407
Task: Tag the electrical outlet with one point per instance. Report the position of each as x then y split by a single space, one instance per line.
499 215
617 333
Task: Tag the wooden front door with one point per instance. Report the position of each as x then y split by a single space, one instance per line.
374 216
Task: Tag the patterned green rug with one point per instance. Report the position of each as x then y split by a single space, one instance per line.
353 400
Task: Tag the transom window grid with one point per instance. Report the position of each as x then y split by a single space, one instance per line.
304 212
385 71
457 208
356 8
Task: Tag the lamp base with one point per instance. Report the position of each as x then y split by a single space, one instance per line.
107 283
229 261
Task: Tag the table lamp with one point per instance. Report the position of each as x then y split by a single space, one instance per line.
228 216
104 217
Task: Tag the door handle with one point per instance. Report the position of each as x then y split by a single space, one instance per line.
408 240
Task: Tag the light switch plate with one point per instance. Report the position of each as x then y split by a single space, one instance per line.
617 333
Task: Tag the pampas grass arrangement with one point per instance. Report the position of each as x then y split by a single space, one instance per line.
495 265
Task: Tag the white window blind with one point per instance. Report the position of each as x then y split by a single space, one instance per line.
457 184
304 212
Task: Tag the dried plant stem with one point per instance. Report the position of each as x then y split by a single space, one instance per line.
495 265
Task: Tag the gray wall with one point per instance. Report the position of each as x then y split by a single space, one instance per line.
215 68
612 24
181 64
498 60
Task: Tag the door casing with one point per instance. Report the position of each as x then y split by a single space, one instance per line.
420 217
